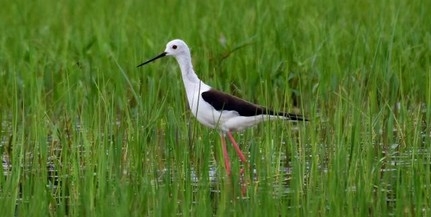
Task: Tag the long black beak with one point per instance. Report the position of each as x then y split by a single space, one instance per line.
151 60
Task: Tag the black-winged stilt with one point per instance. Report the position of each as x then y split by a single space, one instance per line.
216 109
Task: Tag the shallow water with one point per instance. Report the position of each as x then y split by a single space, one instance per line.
393 161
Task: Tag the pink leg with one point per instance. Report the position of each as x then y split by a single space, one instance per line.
237 149
225 154
243 160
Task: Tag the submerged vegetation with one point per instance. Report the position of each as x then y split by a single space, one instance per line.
86 133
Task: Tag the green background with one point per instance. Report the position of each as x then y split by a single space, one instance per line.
86 133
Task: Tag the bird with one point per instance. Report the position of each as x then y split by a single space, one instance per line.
216 109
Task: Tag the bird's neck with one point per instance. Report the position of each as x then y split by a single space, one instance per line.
193 85
189 75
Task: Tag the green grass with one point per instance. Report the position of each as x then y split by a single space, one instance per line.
123 143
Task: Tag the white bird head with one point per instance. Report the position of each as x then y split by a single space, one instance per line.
176 48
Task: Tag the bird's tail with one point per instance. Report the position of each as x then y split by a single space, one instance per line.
292 116
285 115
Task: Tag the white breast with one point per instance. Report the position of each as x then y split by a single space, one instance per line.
202 110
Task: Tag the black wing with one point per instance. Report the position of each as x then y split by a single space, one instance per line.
222 101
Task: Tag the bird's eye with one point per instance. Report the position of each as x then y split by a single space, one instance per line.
174 47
